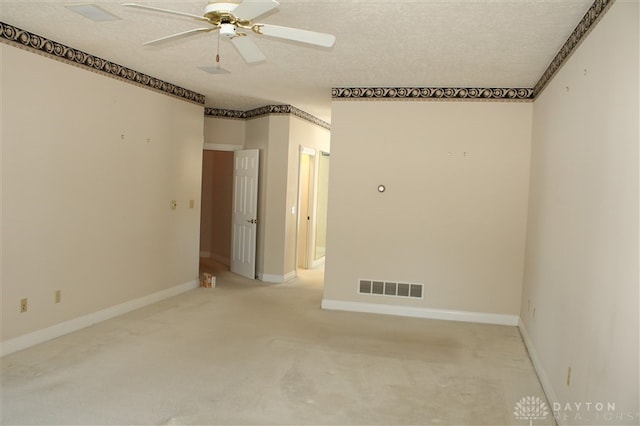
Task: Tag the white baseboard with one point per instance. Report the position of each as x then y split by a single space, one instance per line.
410 311
537 365
31 339
316 263
269 278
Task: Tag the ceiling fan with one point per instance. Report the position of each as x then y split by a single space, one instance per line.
233 19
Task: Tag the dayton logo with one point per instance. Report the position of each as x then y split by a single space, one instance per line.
531 408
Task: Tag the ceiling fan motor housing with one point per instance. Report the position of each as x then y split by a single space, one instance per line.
219 6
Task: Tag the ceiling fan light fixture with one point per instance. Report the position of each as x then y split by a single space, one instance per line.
228 30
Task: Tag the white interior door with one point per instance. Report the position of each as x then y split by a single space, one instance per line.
245 212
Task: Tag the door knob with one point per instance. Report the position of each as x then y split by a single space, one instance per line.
252 220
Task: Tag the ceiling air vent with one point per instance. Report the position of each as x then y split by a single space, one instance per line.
393 289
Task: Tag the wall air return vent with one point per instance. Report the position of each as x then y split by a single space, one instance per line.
393 289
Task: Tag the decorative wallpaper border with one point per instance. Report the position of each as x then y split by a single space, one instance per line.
30 41
266 110
431 93
587 23
224 113
51 48
24 39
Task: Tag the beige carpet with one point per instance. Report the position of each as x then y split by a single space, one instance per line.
250 353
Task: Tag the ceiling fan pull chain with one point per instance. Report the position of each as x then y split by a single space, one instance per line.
218 51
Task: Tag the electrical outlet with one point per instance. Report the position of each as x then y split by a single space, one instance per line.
23 305
58 296
192 203
569 376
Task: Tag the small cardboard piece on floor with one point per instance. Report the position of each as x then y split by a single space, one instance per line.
208 280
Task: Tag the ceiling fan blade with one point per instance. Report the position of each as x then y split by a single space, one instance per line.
179 35
172 12
251 9
248 49
295 34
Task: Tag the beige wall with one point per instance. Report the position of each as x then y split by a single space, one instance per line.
2 309
275 195
581 275
455 223
224 131
84 209
322 197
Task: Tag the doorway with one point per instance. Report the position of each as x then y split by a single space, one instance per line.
305 208
313 190
216 206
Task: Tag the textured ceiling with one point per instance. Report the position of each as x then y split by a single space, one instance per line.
464 43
